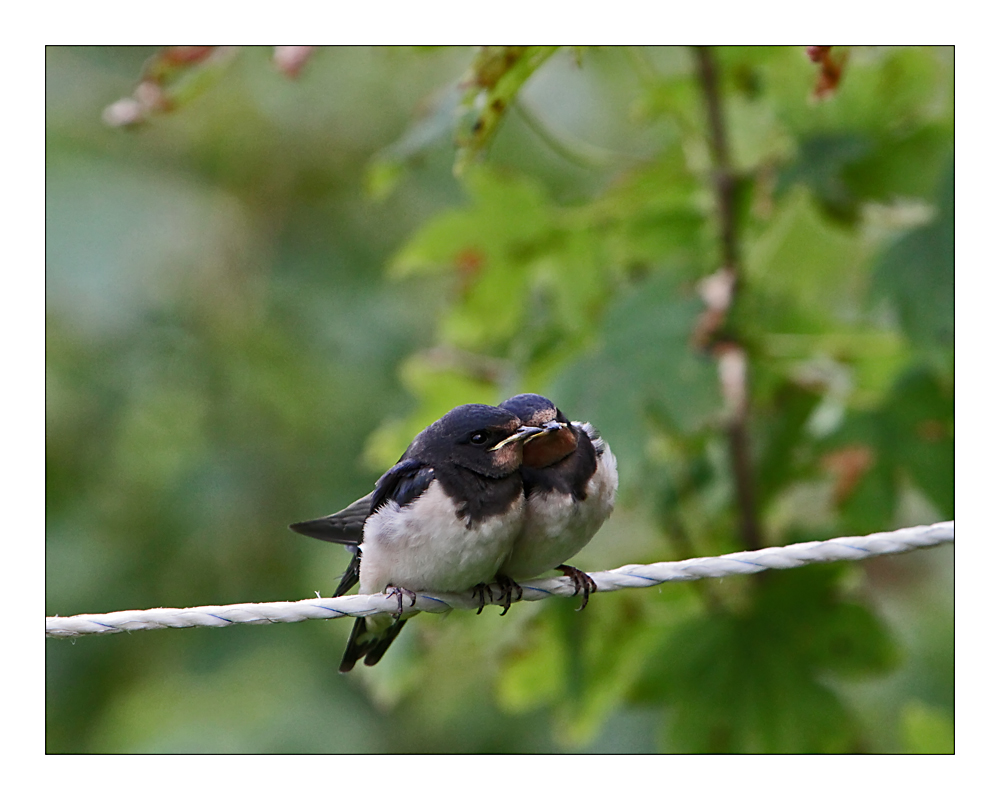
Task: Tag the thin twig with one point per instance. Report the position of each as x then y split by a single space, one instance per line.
729 352
724 178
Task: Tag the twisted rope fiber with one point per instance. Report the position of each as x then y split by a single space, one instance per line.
631 576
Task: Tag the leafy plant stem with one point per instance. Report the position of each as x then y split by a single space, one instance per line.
579 153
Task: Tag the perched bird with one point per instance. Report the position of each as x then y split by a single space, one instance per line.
570 478
442 519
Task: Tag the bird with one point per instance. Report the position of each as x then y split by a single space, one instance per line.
442 519
570 479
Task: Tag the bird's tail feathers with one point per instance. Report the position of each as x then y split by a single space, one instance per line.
331 529
345 527
370 644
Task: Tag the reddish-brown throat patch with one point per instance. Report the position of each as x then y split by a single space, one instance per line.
546 449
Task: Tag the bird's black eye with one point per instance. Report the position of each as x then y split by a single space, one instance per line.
479 437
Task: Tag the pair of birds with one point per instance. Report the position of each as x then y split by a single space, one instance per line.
487 494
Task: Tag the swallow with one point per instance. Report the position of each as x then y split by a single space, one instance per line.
570 478
443 519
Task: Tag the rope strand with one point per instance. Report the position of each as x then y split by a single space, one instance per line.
631 576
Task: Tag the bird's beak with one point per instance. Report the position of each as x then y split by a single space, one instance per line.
520 435
548 428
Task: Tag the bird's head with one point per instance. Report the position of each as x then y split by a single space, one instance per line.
558 438
484 439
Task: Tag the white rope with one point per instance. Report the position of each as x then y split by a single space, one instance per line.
631 576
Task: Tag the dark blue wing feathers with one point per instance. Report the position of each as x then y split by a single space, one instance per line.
403 484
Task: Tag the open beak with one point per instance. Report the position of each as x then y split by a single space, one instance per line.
520 435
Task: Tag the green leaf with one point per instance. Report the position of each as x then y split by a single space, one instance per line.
891 89
505 211
751 682
783 434
911 436
643 368
906 163
821 164
795 273
845 169
920 434
496 76
917 275
486 248
823 629
426 131
803 273
732 688
870 506
854 643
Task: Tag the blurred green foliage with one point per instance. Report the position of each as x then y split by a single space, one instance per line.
258 295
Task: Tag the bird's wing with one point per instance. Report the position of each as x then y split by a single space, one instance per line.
352 574
402 484
345 527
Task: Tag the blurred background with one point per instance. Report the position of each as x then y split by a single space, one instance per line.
264 278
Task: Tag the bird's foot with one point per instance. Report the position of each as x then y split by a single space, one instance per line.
507 589
398 592
480 592
582 582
